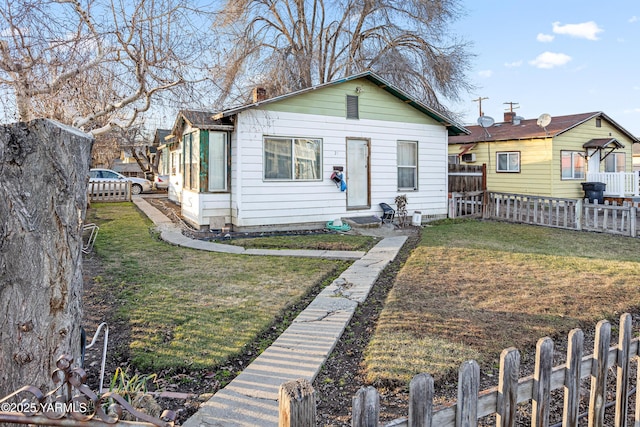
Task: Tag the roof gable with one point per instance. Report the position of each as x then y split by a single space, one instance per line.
453 127
529 129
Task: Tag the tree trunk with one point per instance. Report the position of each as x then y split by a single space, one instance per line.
43 183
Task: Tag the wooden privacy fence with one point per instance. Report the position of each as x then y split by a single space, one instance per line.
538 391
109 191
466 178
571 214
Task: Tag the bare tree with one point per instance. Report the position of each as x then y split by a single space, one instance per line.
286 45
95 65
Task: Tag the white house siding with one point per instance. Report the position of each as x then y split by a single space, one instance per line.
263 203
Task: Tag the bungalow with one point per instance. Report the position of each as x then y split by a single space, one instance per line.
550 156
284 162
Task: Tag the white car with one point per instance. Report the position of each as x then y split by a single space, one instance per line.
138 185
161 182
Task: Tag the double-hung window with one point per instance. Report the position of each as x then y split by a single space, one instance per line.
615 162
407 165
572 164
292 159
508 161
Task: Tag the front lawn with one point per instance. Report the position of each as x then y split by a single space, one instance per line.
184 308
471 289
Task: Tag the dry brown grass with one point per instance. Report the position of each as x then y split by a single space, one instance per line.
452 302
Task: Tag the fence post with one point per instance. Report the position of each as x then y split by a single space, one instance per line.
578 215
572 378
297 404
622 376
468 389
633 212
508 388
598 394
365 408
421 401
542 384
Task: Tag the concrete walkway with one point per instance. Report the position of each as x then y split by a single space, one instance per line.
251 399
171 233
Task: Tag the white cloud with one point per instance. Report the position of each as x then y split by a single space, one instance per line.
549 60
586 30
485 73
513 64
633 19
545 38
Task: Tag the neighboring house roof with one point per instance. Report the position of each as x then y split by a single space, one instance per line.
127 167
453 127
529 129
160 135
197 120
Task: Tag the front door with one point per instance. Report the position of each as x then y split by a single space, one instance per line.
357 174
594 161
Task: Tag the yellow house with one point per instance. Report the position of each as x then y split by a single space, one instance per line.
550 156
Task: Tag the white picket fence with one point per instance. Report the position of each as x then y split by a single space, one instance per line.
109 191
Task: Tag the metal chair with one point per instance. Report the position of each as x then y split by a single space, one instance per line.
388 213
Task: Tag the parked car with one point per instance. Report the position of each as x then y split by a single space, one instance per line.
161 182
138 185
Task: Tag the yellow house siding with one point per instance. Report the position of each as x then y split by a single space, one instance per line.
374 103
535 161
573 140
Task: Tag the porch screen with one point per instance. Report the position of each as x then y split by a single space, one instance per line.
217 161
292 158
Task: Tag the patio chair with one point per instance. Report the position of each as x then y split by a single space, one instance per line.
388 213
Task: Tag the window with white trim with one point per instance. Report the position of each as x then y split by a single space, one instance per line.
292 159
572 164
615 162
508 161
407 165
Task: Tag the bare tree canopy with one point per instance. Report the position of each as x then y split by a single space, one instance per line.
286 45
93 64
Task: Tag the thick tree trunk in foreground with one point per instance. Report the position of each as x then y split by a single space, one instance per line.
43 179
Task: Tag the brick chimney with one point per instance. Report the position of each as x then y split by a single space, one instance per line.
508 116
259 94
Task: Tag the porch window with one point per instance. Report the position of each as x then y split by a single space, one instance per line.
292 159
572 164
175 162
508 161
191 157
407 165
218 155
615 162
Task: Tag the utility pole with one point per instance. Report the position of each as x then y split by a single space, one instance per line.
479 101
512 106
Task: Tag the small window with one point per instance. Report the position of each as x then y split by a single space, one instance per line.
615 162
352 107
407 165
453 159
598 122
572 164
508 161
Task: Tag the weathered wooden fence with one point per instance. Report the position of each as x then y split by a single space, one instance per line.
109 191
502 402
571 214
466 178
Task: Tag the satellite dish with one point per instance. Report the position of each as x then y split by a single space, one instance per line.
485 121
517 120
544 120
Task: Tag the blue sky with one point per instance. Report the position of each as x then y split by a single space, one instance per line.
558 57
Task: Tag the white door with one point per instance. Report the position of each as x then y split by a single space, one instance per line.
594 161
357 173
